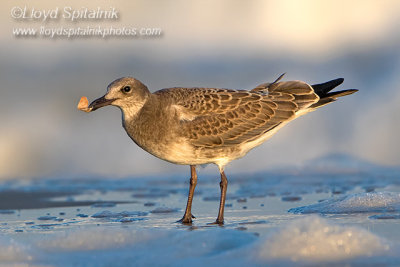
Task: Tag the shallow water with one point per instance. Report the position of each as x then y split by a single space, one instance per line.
297 217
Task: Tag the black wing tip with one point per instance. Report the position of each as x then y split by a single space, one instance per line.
323 89
339 80
333 83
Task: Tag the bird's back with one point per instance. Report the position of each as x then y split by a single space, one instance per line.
211 117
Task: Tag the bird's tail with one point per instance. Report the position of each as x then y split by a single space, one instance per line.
326 97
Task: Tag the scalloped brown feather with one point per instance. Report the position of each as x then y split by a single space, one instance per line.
224 117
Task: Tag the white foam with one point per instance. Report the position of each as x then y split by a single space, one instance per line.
11 251
354 203
315 239
310 239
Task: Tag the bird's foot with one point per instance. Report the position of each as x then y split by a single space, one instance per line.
186 219
217 222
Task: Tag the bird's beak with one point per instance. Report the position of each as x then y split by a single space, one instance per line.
100 102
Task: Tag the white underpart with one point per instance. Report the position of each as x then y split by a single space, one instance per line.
222 162
182 153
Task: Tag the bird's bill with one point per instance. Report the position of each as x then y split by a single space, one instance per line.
99 102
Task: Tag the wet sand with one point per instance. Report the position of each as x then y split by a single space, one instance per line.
91 222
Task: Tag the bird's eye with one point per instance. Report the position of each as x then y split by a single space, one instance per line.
126 89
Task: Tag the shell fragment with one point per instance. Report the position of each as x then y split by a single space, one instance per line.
84 104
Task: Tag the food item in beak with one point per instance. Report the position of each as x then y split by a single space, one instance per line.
84 104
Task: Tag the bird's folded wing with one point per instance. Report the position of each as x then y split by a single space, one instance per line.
216 117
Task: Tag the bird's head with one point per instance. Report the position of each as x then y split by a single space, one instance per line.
129 94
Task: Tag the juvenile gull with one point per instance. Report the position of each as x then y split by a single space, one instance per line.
194 126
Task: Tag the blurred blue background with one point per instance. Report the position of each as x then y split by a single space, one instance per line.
229 44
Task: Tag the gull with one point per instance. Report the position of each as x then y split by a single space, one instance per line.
196 126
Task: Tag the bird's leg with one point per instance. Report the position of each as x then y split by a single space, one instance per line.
187 218
223 185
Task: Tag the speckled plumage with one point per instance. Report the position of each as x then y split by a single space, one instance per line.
195 126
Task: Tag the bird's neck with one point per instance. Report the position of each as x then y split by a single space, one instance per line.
141 120
130 111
